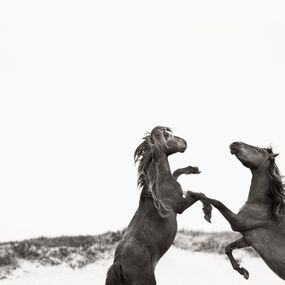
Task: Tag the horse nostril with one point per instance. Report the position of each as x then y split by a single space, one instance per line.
183 145
235 144
234 147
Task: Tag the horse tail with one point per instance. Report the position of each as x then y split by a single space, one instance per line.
114 275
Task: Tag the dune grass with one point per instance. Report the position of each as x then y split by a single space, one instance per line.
209 242
78 251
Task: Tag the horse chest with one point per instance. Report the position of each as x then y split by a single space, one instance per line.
171 188
253 211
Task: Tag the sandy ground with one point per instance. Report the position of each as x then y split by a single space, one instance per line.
176 267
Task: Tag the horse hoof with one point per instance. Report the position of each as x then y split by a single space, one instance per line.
208 219
196 170
192 170
245 273
207 209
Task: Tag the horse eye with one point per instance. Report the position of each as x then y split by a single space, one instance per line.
168 134
258 150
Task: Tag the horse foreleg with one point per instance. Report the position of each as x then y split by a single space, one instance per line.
193 197
240 243
235 222
186 170
185 202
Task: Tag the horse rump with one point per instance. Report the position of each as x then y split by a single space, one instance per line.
115 275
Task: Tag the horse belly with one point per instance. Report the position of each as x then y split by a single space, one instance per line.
154 234
166 232
270 244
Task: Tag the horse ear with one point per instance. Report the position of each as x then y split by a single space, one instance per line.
273 155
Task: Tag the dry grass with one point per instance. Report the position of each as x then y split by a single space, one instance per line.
75 251
210 242
78 251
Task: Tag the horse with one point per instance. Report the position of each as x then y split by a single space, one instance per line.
261 219
154 226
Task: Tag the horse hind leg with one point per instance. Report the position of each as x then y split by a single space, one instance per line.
115 275
118 274
146 281
240 243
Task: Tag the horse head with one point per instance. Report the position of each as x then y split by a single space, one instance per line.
163 138
251 156
257 158
152 155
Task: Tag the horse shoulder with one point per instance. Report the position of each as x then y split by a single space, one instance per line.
172 185
255 211
253 215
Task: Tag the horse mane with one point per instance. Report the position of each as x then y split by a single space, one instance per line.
148 176
277 189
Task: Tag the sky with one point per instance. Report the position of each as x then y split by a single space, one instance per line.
81 83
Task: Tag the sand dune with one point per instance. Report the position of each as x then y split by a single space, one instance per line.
176 267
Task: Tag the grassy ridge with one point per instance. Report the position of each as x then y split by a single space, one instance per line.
208 242
78 251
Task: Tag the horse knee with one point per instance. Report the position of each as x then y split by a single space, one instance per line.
236 266
236 226
228 250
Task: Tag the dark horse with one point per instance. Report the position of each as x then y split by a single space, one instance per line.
261 220
153 228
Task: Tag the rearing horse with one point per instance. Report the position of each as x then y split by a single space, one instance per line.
261 220
153 228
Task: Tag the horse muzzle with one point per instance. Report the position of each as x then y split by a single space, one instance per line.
183 146
235 147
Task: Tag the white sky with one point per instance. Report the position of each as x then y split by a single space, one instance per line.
81 82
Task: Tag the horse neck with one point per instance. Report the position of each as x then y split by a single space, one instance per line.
162 163
260 186
162 169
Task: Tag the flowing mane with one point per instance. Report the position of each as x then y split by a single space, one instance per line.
277 190
148 177
153 227
261 221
